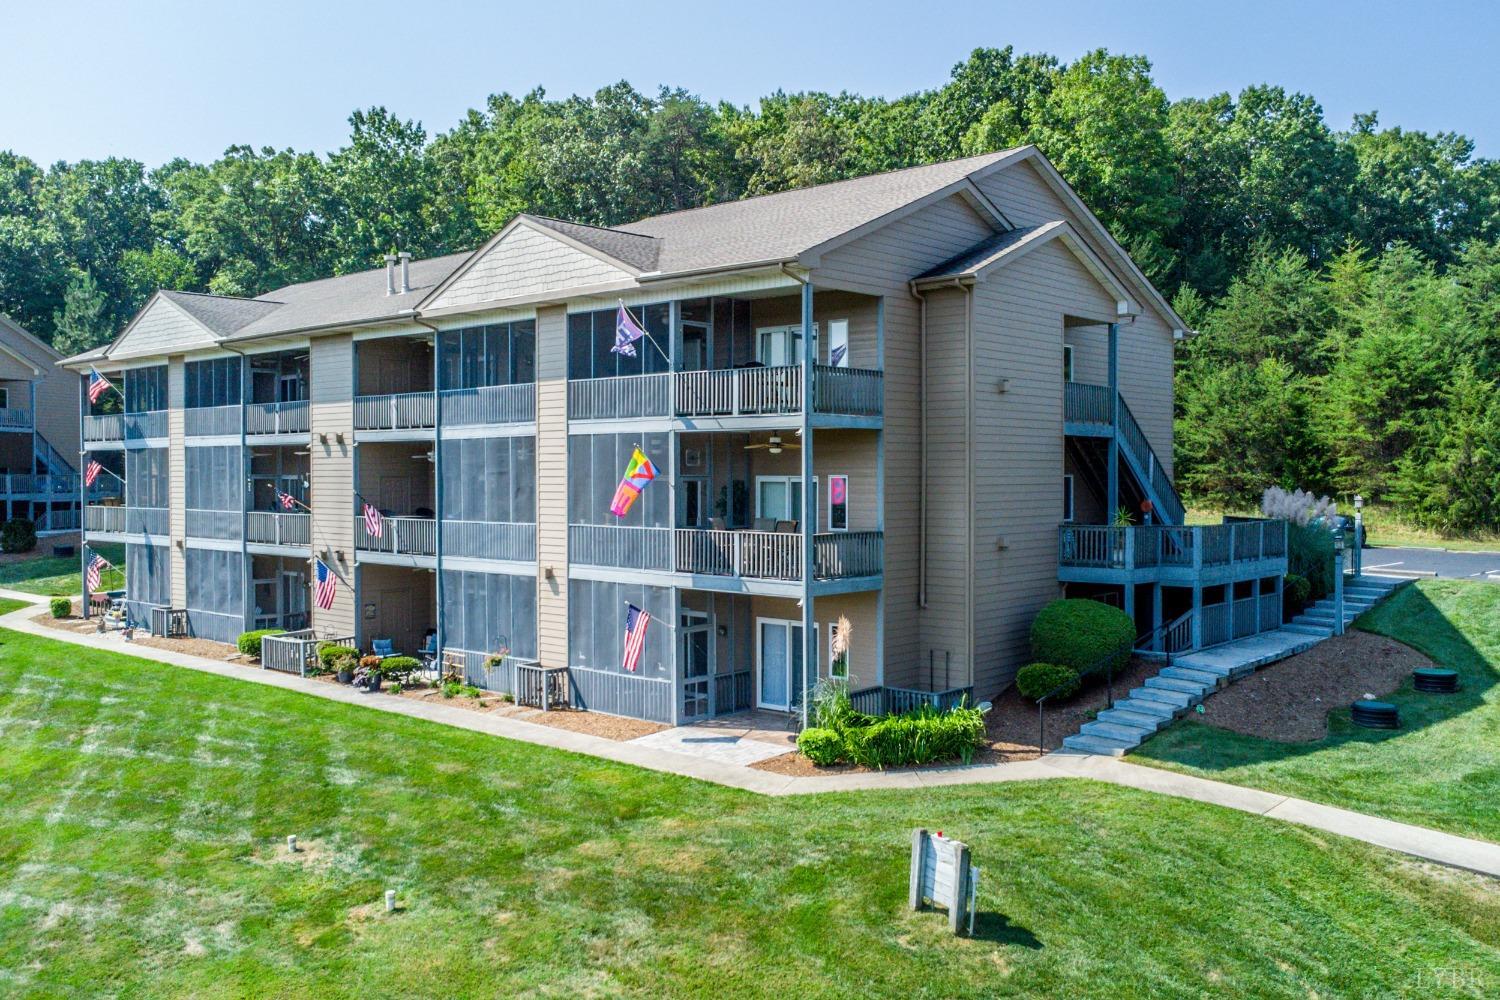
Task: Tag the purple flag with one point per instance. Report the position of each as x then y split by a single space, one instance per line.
627 332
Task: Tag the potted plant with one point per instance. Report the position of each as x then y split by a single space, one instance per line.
367 674
344 666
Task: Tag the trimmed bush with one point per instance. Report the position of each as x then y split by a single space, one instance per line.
1086 635
249 642
821 746
399 667
1040 680
921 736
17 535
62 607
329 654
1295 592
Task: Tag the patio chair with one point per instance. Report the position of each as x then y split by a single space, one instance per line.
786 526
716 524
428 652
765 524
382 647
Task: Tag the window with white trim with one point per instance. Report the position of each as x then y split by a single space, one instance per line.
1067 499
838 503
1067 362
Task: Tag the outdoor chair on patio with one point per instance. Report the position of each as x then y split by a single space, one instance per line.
382 647
428 653
786 526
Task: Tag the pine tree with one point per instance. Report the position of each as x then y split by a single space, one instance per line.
84 320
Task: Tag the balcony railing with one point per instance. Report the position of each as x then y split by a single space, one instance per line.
286 417
267 527
762 555
1087 404
200 523
1098 546
211 421
125 426
14 418
400 411
490 540
727 392
491 404
407 536
17 484
126 520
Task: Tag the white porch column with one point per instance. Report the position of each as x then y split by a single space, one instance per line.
809 505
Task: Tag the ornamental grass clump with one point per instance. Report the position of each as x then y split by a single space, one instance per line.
923 735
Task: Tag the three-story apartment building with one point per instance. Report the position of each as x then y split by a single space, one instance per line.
38 435
872 404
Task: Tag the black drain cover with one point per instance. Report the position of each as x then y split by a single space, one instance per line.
1435 680
1375 715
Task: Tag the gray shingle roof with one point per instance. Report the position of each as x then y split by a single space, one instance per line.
222 314
640 252
781 226
348 298
986 252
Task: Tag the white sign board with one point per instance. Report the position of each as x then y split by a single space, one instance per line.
942 876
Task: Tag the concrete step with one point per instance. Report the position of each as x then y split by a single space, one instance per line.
1205 678
1176 699
1173 684
1140 720
1114 731
1152 709
1096 744
1320 631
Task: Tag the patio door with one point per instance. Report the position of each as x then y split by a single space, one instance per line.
779 659
781 345
293 599
695 653
696 347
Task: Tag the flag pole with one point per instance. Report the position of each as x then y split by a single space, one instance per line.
665 356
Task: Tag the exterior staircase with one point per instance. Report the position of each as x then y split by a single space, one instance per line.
1189 679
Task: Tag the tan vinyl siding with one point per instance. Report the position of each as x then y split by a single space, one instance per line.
57 411
524 263
1018 450
176 486
331 474
1090 353
945 622
1145 345
552 486
391 479
883 263
849 453
161 329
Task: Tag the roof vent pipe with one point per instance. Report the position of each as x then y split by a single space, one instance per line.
390 274
405 271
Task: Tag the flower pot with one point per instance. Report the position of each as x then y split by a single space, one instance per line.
345 676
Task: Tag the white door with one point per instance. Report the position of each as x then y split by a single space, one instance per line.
779 658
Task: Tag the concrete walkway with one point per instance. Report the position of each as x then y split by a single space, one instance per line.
1458 852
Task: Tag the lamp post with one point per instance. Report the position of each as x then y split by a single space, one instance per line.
1338 583
1359 533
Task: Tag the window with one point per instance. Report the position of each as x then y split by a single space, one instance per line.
212 383
1067 499
838 343
497 354
1067 362
779 498
838 503
838 659
591 337
781 345
145 389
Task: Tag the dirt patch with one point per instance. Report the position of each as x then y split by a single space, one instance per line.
797 766
206 648
1290 701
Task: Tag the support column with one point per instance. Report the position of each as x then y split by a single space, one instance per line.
552 486
177 478
809 506
437 499
331 390
1157 639
1112 488
880 494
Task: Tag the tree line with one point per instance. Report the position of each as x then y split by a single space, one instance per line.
1344 282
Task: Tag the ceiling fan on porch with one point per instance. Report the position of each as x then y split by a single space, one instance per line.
774 445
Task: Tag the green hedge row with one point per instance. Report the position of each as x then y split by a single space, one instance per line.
249 642
922 736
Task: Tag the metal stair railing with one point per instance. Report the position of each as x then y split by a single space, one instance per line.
1139 452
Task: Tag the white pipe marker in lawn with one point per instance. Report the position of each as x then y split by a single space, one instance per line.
291 843
941 874
390 900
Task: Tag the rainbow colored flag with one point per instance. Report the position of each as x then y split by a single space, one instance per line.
638 475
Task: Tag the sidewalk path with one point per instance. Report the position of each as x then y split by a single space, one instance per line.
1432 845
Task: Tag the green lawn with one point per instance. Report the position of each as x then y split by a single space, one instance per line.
1441 769
61 576
145 809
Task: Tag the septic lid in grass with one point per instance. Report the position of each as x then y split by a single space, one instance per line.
1374 706
1435 673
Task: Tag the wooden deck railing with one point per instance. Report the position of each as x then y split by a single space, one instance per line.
211 421
125 520
267 527
491 404
397 411
15 418
727 392
1099 546
1087 404
287 417
408 536
294 652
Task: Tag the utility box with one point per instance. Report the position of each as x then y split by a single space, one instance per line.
941 875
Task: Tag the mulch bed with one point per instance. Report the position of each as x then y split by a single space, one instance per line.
1289 701
206 648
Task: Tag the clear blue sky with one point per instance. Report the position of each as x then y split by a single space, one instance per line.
152 80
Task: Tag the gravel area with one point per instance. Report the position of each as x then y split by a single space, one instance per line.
1290 701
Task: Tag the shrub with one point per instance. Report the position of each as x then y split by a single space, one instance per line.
821 746
1086 635
329 654
1040 680
920 736
62 607
17 535
1310 555
400 667
249 642
1295 591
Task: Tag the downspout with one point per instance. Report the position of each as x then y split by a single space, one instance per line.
437 488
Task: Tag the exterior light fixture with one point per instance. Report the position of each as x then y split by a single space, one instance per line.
1359 502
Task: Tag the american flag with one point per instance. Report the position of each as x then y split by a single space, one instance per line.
286 500
374 524
91 473
97 566
327 586
636 621
98 385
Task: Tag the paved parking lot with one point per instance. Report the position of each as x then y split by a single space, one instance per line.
1446 563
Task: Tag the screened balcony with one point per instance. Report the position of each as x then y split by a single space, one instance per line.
756 555
393 384
277 403
144 415
112 519
728 358
487 374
